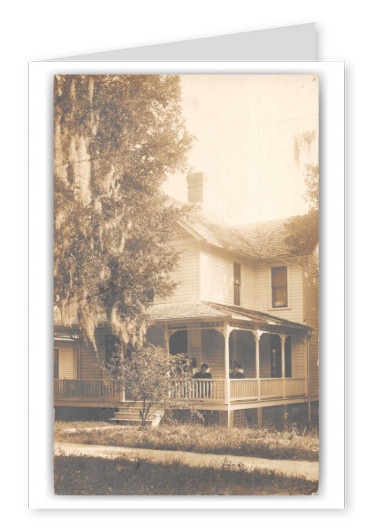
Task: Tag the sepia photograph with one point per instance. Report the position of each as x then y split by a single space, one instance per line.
186 284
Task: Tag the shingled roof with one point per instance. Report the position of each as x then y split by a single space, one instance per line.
205 227
266 239
191 310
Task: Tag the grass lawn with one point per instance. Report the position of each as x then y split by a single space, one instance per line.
97 476
256 442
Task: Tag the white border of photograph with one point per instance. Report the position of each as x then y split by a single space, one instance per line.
331 488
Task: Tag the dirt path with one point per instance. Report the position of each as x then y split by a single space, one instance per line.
303 469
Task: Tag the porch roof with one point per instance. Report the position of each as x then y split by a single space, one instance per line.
194 310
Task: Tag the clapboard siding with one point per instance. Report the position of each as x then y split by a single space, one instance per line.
217 278
248 286
295 310
155 336
194 345
213 352
89 366
265 369
313 367
311 313
297 358
187 275
67 362
311 289
243 351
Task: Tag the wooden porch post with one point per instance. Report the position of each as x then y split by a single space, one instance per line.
122 395
122 392
258 334
226 334
283 339
306 366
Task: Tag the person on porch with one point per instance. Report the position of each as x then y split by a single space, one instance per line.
237 372
204 373
204 387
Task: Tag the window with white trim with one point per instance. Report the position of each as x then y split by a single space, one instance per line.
279 287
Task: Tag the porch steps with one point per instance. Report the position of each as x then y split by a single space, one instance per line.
129 415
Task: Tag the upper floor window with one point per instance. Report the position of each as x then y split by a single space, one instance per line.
279 287
237 283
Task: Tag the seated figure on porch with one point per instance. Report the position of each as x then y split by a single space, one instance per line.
237 372
203 390
204 373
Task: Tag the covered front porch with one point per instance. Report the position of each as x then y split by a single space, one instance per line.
271 354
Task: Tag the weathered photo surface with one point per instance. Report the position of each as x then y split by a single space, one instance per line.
186 283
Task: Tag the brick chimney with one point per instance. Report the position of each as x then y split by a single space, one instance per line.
196 185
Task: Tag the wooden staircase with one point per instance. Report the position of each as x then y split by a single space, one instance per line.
129 415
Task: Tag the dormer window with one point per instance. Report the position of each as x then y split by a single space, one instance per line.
279 287
237 283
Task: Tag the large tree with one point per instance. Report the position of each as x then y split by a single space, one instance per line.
117 138
303 231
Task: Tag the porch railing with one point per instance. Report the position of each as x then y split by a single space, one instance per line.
89 389
295 387
246 388
200 390
271 387
242 389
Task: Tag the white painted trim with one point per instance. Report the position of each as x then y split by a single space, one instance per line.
271 307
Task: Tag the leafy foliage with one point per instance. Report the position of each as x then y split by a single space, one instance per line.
303 231
150 377
117 138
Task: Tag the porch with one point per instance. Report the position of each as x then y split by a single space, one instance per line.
271 352
214 391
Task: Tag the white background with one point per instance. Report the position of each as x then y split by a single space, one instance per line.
42 29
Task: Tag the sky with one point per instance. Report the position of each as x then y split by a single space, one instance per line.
247 129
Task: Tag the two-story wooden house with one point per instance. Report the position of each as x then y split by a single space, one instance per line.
242 298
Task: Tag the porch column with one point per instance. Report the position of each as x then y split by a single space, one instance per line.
306 366
122 391
78 358
283 339
257 335
226 334
122 395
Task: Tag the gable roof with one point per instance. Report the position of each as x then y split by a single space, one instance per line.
262 240
205 227
267 238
